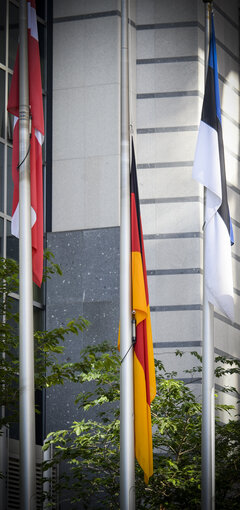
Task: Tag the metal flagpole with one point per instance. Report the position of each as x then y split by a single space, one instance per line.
26 345
127 456
208 389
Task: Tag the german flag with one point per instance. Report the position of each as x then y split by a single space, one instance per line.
144 370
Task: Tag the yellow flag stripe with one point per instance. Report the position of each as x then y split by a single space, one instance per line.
151 366
139 302
142 424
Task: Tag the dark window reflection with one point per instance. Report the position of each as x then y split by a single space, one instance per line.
39 417
1 176
1 237
45 127
10 120
2 103
38 321
12 410
38 294
3 31
12 244
14 323
40 8
41 37
13 34
9 182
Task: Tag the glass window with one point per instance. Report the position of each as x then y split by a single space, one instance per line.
1 177
38 319
40 8
3 31
14 427
10 116
1 237
38 294
9 182
41 37
13 34
12 244
12 322
2 103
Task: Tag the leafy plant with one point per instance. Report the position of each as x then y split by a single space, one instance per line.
48 344
8 339
91 447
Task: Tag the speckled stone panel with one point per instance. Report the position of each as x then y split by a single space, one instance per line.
89 286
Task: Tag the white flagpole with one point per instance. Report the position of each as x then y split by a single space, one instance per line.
127 456
26 342
208 388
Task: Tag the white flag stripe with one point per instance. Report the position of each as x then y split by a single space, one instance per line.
206 168
218 255
33 216
32 21
39 136
15 222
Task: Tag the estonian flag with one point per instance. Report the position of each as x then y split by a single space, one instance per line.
209 170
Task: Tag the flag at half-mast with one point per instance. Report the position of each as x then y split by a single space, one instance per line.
37 137
209 170
143 360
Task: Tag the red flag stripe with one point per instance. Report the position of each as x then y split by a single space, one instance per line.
141 333
142 354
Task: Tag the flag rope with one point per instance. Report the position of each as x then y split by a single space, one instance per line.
134 338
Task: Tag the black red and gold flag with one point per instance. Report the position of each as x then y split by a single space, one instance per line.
144 370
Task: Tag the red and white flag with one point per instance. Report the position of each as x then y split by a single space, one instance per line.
36 111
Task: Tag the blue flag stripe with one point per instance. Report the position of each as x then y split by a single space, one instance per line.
213 64
211 115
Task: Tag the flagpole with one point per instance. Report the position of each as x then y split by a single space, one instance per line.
127 456
208 389
26 343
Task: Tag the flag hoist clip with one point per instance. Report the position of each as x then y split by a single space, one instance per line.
210 2
134 338
29 146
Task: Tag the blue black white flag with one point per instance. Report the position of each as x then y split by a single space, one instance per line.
209 170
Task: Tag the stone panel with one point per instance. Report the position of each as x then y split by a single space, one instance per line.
89 286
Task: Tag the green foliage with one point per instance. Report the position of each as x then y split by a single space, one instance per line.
224 367
8 338
91 446
49 370
50 267
176 418
228 465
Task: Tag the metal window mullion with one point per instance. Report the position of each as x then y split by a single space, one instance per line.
5 135
14 2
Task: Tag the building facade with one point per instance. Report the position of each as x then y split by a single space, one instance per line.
166 46
80 44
